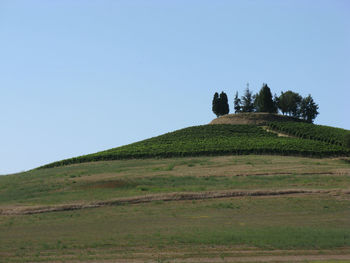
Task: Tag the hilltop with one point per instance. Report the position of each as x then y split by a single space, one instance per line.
256 118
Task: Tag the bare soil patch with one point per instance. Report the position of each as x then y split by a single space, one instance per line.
260 118
279 134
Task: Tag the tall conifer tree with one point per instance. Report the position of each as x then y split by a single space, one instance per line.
264 101
215 104
248 101
237 103
224 107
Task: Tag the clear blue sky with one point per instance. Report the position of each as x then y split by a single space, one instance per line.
78 77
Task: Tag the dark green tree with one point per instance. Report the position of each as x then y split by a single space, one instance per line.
224 107
275 103
296 103
248 101
282 103
237 103
308 109
289 102
264 101
215 104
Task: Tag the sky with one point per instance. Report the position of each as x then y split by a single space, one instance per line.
81 76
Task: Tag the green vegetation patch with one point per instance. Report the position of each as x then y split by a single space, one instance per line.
309 222
206 140
269 237
312 131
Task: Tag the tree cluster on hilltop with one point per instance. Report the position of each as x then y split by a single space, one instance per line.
288 103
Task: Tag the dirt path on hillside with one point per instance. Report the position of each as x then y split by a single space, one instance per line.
178 196
279 133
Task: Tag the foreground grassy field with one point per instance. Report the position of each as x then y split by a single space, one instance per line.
221 228
307 227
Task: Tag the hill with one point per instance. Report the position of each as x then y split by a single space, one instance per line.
228 139
224 192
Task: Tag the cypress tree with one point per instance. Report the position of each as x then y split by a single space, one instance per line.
224 107
264 101
215 104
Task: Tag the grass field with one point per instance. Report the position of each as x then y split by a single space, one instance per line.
282 228
233 225
122 178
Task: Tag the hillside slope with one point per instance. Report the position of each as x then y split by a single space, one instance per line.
311 131
209 140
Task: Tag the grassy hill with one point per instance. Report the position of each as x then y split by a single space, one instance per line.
224 193
223 139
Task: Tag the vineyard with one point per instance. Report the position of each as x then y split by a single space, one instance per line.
210 140
311 131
